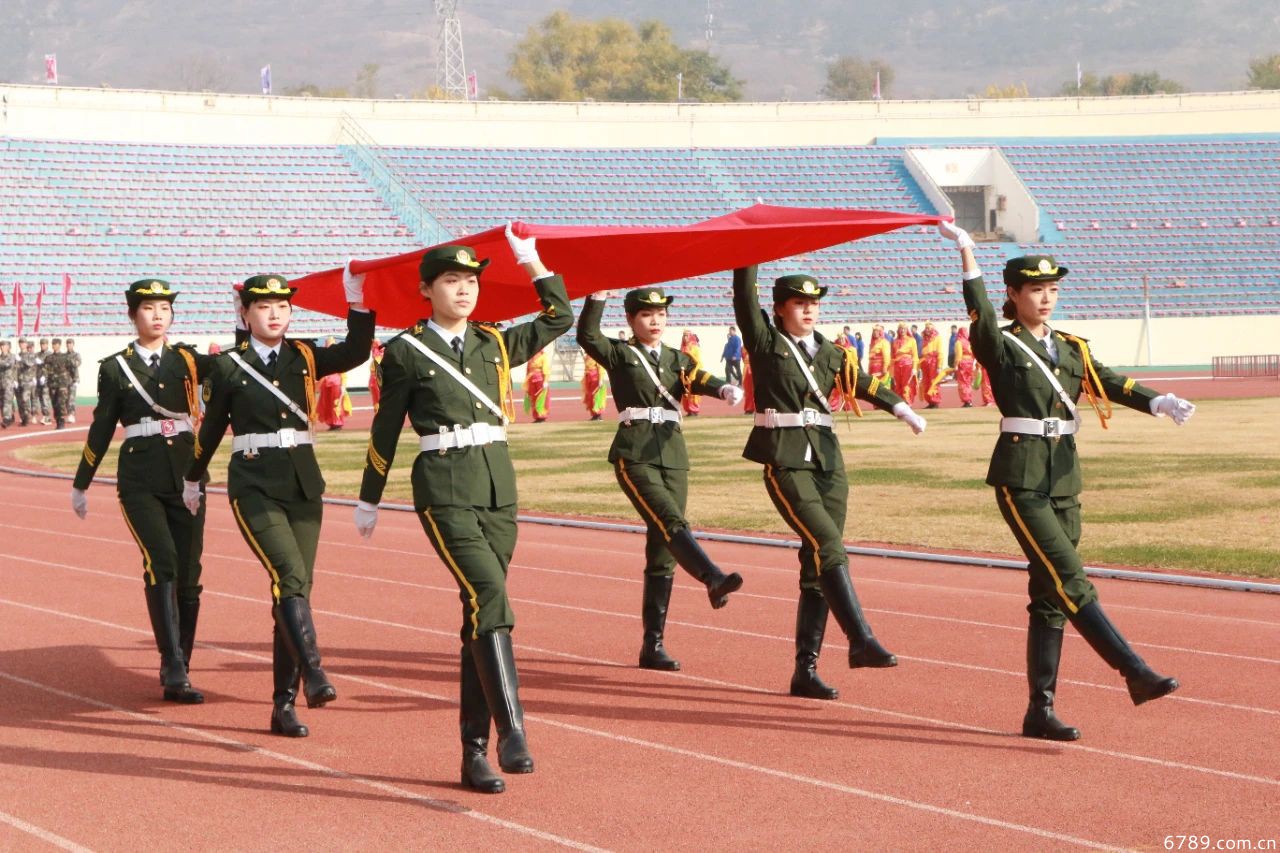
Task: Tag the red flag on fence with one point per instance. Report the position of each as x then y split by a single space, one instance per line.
51 68
35 329
66 290
608 257
17 304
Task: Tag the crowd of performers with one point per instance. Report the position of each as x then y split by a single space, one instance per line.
449 379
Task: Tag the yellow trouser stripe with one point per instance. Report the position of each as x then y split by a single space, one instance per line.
813 541
622 469
257 549
457 572
1035 546
146 555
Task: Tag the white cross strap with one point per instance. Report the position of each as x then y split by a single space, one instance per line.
453 371
657 383
808 374
262 380
1053 380
185 417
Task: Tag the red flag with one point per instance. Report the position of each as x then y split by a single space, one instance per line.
595 258
66 290
17 304
51 68
2 300
35 328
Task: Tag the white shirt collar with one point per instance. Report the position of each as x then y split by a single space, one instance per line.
446 335
263 350
1049 345
145 354
809 343
656 349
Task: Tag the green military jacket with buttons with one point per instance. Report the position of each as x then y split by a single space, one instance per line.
642 441
233 397
414 385
153 463
780 384
1044 464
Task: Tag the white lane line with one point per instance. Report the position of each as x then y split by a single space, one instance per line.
44 432
447 806
452 635
44 835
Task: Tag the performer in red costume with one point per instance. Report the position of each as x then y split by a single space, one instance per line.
594 389
906 361
879 357
537 385
932 362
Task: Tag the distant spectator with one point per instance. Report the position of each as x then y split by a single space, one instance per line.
915 333
859 346
951 348
732 358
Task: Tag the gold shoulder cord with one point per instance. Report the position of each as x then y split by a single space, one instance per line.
505 401
1092 384
192 383
847 381
309 356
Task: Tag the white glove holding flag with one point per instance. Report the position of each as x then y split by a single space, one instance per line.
1175 407
191 496
366 518
352 285
523 249
959 236
79 502
731 394
908 416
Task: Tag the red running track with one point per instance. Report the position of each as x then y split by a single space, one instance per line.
924 756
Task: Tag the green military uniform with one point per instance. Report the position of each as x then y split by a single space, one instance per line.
57 370
73 361
156 450
464 490
42 380
8 386
1037 476
804 470
28 402
274 482
651 462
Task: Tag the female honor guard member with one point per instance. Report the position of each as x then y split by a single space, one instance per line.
266 390
648 453
795 372
453 379
152 390
1037 374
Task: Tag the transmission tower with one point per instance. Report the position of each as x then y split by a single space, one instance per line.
451 68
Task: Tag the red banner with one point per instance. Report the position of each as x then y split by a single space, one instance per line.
17 305
66 291
595 258
35 329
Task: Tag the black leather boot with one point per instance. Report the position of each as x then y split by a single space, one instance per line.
162 606
496 666
694 560
188 615
287 674
864 648
1144 683
653 613
473 722
1044 650
811 626
293 616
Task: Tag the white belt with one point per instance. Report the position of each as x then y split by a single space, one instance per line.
654 415
771 419
460 436
251 443
150 426
1049 427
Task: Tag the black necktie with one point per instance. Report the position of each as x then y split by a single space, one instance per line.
155 360
457 348
655 356
271 361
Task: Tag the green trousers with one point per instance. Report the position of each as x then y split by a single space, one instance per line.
476 544
659 496
1048 530
283 535
170 538
814 504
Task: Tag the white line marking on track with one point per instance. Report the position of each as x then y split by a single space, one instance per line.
43 834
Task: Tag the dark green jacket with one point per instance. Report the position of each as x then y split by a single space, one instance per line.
641 441
233 397
780 385
153 463
1048 465
412 384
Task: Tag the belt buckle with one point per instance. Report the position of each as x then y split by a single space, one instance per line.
288 437
655 415
1052 427
808 417
168 427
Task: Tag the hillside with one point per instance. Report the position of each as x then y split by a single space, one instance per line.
937 50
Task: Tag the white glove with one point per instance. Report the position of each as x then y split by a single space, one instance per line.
908 416
959 236
1175 407
352 285
79 502
366 518
238 308
191 496
731 394
523 249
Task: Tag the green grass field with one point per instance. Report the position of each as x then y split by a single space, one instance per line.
1203 497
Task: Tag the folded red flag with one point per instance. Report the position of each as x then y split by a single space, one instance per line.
595 258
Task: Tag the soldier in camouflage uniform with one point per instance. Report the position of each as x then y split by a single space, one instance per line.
26 382
57 374
42 383
8 405
73 358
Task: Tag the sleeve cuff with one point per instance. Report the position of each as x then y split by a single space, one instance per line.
970 275
547 274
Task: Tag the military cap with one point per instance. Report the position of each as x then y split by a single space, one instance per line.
1032 268
4 343
149 288
797 284
44 342
267 286
646 297
445 258
57 342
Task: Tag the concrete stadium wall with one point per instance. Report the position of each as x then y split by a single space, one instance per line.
144 116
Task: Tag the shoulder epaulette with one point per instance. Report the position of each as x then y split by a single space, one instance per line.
244 345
